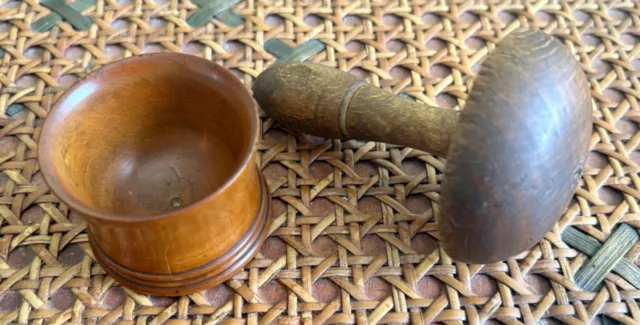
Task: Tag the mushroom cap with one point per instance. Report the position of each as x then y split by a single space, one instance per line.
518 151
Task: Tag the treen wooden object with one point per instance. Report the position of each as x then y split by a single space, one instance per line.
514 154
157 153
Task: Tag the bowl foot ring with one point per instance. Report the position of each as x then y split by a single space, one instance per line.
199 278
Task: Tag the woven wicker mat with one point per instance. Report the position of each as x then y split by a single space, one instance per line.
354 238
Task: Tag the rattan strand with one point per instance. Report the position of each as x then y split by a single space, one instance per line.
354 238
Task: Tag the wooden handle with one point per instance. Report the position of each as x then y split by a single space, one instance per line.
319 100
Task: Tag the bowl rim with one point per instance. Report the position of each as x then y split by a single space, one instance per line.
51 176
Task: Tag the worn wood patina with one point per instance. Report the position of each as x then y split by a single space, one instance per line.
530 104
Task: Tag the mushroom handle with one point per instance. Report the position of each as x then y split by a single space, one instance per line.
319 100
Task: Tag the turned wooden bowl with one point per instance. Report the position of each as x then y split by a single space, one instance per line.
157 153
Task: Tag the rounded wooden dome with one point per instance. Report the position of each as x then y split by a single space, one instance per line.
518 151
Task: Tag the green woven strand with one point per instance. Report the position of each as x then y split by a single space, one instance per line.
209 9
285 53
588 245
606 258
61 10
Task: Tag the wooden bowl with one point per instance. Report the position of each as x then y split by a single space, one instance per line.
157 153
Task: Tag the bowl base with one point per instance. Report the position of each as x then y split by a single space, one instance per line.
199 278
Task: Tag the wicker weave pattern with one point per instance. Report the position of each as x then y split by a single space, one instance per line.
355 233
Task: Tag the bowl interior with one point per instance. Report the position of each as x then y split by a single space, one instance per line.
146 136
